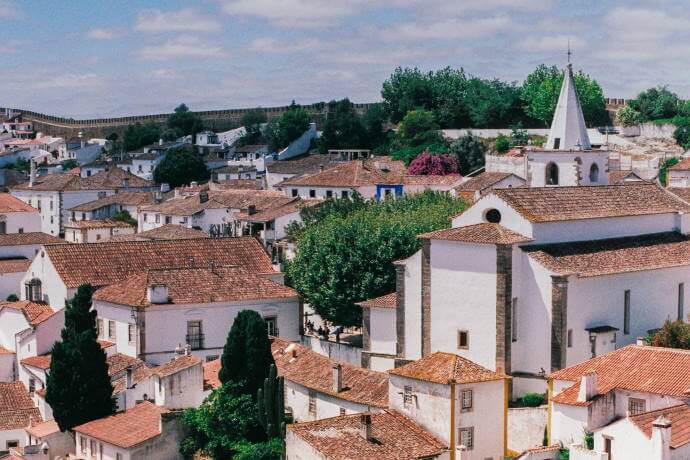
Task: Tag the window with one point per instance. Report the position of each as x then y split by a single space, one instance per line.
636 406
99 325
20 230
13 443
146 217
158 218
467 437
272 325
3 228
184 220
344 194
195 338
51 205
98 236
168 220
514 321
570 338
210 358
111 329
594 173
33 290
681 301
312 193
407 396
32 386
294 192
493 216
342 411
101 195
118 456
38 204
557 143
387 192
329 193
130 333
82 444
93 448
626 312
463 340
466 400
551 174
312 402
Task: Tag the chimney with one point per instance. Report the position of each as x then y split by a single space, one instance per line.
641 342
157 293
365 426
337 378
321 168
157 197
661 438
203 196
588 387
32 172
129 372
165 187
160 141
187 350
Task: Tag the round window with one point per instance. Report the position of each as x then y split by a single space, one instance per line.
493 216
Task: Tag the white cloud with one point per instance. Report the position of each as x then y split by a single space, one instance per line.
295 13
185 20
272 45
449 29
184 46
546 43
70 81
100 33
8 9
640 24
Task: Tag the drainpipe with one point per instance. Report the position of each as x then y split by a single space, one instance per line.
452 418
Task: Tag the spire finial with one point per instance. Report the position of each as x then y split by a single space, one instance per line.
569 52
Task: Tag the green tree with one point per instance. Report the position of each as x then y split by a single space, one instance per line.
674 334
627 116
518 136
69 164
270 402
12 298
22 165
501 144
252 121
470 151
343 128
663 170
291 125
224 425
185 122
540 92
181 166
124 216
139 135
682 134
344 259
78 388
247 358
492 103
655 103
373 122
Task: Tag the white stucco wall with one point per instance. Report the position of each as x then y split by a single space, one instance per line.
54 290
297 399
383 334
413 306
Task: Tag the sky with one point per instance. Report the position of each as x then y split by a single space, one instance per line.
101 58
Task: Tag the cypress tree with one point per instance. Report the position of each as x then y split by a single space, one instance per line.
78 389
247 357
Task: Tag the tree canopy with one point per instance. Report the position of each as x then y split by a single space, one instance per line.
348 257
184 122
181 166
138 135
252 122
428 164
344 128
674 334
655 103
291 125
470 151
78 388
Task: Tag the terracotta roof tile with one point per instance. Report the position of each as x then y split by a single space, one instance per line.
17 408
397 437
211 370
17 265
484 233
126 429
679 416
39 362
662 371
315 371
195 285
100 264
552 204
164 232
111 179
384 301
236 184
98 223
20 239
449 180
35 313
40 430
683 165
356 173
482 181
270 214
121 198
188 205
623 178
176 365
9 204
302 165
618 255
440 367
5 351
681 192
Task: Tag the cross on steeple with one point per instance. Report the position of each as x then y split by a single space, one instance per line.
569 52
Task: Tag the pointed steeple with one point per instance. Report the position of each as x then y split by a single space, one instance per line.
568 129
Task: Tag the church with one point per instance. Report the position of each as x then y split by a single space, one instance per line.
530 280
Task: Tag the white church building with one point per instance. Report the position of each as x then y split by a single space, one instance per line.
535 279
568 157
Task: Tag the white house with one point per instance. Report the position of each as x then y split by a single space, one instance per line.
679 174
59 269
461 403
384 435
47 439
281 170
16 216
16 252
476 187
144 431
17 411
595 395
194 306
110 205
234 172
141 165
80 150
593 268
568 157
380 350
92 231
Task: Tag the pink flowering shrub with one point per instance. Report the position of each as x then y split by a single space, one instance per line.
428 164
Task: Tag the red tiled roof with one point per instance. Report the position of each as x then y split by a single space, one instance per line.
384 301
482 181
552 204
211 370
356 173
17 265
195 285
39 362
122 198
20 239
396 437
98 223
112 179
682 192
663 371
165 232
17 408
312 370
302 165
449 180
236 184
623 177
126 429
8 204
101 264
39 430
35 313
683 165
679 416
440 367
176 365
270 214
484 233
618 255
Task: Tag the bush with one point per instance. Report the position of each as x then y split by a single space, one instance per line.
627 116
502 144
532 400
663 170
682 135
12 298
427 164
470 151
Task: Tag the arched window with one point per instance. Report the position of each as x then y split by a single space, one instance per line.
493 216
33 290
594 173
551 174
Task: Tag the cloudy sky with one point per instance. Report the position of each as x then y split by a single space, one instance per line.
88 58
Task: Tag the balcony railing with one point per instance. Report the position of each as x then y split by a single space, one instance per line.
195 341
